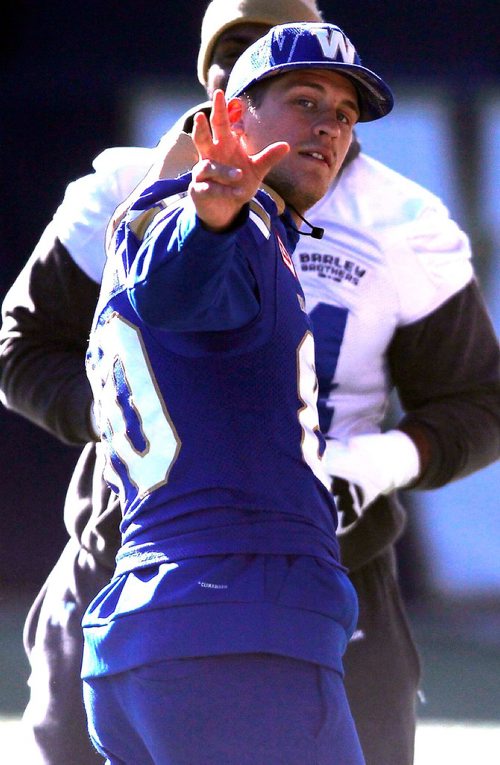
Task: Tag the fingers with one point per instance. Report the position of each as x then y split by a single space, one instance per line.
210 171
217 194
219 120
206 136
223 153
270 156
218 148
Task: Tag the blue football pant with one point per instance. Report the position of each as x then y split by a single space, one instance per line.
246 709
383 664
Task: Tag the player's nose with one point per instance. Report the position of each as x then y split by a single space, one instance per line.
327 125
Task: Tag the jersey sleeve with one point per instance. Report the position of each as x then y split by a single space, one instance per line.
430 260
184 277
46 320
446 368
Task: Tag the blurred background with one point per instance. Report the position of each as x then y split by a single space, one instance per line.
78 77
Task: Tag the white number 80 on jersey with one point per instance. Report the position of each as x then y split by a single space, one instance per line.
117 351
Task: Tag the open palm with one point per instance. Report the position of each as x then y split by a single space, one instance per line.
226 177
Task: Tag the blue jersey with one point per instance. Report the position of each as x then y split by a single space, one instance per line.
201 361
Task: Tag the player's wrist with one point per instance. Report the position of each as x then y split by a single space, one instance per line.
402 457
378 463
233 223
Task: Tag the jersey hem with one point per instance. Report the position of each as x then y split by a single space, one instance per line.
210 630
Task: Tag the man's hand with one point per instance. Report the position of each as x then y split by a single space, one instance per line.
375 463
226 177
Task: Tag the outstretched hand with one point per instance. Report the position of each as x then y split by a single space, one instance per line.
226 177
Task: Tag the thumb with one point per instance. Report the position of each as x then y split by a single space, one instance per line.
264 160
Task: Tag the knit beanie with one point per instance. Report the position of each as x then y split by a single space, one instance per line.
223 14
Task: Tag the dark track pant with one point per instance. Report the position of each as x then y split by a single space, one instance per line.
382 668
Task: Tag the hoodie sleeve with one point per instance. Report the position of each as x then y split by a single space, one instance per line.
46 319
446 368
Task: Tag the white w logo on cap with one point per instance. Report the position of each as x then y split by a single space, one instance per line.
333 42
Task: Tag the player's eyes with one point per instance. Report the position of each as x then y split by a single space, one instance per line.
229 55
307 103
346 118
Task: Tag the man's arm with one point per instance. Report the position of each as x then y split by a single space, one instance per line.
47 315
446 369
190 253
48 311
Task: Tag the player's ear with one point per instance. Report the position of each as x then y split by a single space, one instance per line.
236 110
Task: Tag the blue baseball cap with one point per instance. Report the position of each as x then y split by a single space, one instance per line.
311 46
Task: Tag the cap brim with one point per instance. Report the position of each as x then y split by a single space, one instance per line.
375 97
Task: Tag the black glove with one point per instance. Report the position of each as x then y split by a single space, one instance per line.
348 499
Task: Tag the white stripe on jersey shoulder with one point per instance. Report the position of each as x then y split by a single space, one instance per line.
140 220
260 217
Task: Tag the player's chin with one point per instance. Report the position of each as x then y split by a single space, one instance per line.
315 179
313 191
300 189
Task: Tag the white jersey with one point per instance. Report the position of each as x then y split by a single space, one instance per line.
390 256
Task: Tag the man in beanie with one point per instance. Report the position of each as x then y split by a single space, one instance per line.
453 403
221 16
220 637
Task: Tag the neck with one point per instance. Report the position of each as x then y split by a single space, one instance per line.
316 232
